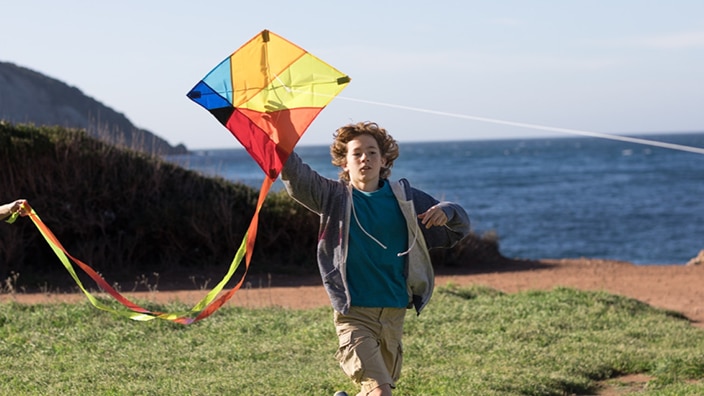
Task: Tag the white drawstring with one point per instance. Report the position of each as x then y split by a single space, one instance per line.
415 238
415 233
354 212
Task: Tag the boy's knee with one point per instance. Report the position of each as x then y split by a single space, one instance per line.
383 390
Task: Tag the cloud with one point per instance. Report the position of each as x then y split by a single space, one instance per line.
673 41
677 41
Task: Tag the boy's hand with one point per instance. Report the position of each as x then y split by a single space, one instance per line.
434 216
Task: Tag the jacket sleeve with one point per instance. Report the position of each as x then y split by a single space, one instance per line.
305 185
457 227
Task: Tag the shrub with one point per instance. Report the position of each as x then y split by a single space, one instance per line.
124 212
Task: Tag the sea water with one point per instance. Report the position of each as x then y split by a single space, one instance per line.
562 197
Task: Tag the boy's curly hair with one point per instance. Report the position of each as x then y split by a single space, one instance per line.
387 145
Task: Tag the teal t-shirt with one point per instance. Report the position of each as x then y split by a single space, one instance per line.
374 274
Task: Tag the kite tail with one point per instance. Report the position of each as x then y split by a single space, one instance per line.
201 310
246 249
64 256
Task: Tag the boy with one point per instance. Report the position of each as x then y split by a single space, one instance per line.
372 248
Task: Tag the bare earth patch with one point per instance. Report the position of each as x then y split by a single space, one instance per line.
674 287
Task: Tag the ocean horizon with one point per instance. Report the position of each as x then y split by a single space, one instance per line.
558 197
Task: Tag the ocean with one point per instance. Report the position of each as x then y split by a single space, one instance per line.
565 197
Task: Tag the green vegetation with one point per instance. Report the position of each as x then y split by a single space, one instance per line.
126 214
469 341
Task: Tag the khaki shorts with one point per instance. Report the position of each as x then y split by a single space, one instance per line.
370 350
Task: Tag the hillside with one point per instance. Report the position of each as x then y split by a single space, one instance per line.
129 214
29 97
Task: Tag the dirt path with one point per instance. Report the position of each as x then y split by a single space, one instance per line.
678 288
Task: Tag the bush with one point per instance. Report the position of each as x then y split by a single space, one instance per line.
124 212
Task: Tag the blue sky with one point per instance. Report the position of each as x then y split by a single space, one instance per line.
615 67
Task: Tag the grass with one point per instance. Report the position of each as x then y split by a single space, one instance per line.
469 341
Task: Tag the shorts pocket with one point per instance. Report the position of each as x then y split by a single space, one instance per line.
396 373
350 362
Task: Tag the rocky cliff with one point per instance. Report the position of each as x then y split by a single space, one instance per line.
29 97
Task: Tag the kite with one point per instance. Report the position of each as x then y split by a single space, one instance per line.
266 94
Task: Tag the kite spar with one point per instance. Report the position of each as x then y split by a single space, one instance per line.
266 94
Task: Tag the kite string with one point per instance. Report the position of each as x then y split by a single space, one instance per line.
696 150
647 142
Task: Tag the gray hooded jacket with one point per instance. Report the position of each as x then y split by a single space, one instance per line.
331 200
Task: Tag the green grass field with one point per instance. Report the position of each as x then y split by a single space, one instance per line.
468 341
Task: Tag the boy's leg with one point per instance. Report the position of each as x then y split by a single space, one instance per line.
370 350
384 390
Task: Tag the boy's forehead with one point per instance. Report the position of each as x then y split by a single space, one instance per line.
362 142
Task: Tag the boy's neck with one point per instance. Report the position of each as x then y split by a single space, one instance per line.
369 186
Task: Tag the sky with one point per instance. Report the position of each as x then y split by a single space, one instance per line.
424 70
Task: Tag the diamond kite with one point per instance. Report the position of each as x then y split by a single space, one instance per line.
266 94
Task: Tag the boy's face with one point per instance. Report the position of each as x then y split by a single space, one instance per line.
363 162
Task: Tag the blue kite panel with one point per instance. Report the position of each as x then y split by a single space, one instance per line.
220 79
207 97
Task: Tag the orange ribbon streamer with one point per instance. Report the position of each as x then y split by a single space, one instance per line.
204 308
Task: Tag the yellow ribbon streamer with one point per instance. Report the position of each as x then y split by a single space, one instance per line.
204 308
